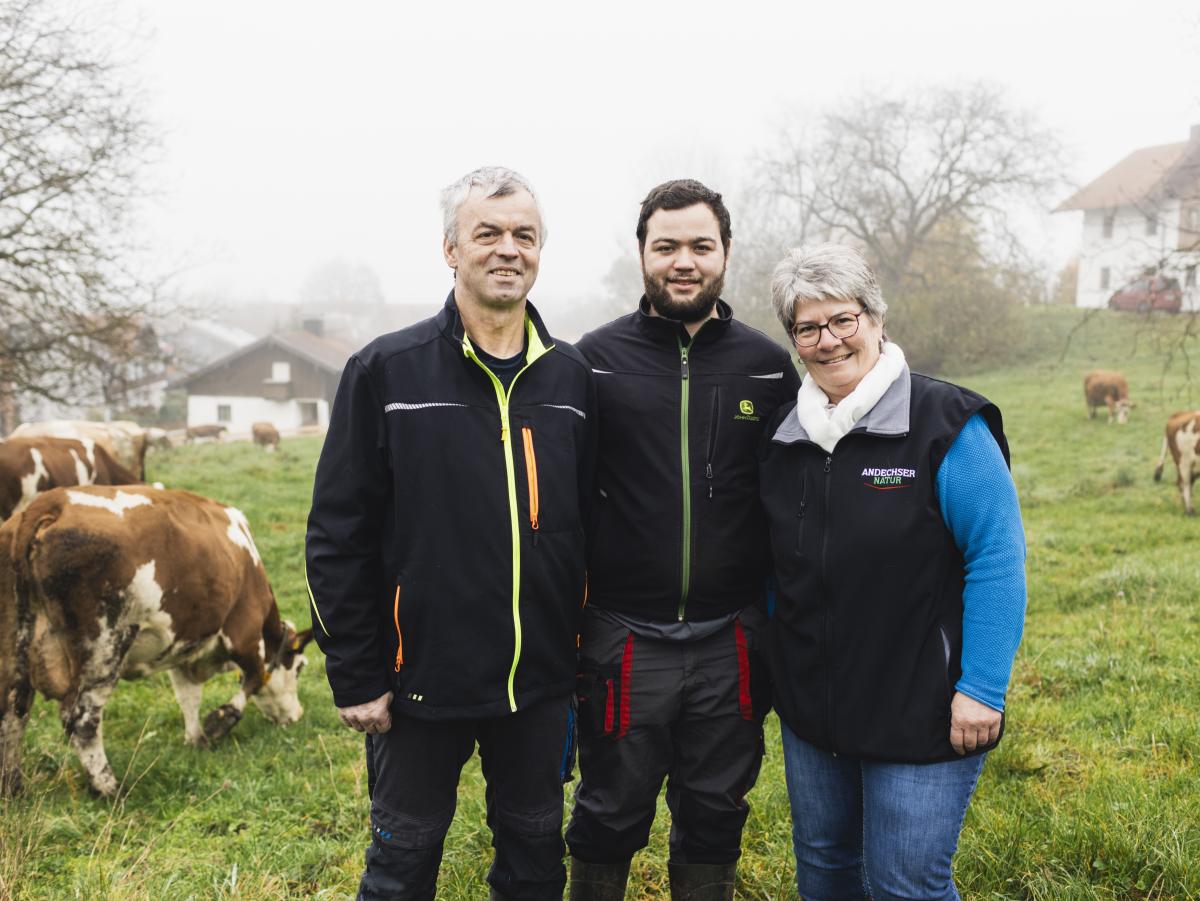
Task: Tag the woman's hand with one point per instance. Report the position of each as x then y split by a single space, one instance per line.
972 724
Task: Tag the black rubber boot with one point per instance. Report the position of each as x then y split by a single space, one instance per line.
598 881
702 881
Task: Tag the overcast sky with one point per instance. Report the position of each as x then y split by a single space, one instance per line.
301 132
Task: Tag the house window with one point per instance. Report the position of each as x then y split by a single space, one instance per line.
1109 218
1189 277
308 412
281 372
224 413
1151 225
1104 276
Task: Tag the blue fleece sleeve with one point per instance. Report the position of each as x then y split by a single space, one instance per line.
979 506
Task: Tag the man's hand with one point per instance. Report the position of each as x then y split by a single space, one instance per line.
372 717
972 724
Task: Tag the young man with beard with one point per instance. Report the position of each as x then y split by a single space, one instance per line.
445 556
671 684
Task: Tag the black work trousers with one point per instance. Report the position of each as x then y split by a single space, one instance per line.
690 712
412 778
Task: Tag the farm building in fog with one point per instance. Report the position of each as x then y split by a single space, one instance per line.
1141 217
287 378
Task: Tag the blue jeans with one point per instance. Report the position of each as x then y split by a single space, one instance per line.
881 830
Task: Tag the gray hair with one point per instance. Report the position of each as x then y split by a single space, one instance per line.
494 181
824 272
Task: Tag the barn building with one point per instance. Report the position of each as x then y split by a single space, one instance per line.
287 378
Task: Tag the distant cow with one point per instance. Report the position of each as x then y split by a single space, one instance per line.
109 583
1102 387
124 439
265 435
205 433
31 465
1182 437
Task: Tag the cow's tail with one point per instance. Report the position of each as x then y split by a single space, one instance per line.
1162 459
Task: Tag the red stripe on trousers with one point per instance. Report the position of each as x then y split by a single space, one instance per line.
743 657
608 707
626 682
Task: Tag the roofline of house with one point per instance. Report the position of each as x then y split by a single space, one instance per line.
184 381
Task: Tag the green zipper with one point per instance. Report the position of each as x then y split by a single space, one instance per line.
685 464
536 349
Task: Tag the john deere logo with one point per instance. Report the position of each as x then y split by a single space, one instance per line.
747 411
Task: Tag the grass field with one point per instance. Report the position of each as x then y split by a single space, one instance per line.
1094 793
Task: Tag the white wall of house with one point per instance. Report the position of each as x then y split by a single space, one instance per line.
1126 252
203 409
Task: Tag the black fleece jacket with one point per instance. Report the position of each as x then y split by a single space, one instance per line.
678 532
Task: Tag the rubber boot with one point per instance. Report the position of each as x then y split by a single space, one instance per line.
598 881
702 881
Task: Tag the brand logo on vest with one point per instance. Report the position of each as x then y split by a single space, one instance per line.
747 411
888 479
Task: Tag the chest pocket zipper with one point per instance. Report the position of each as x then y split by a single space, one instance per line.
399 637
531 478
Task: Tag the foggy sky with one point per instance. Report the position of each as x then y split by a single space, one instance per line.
300 132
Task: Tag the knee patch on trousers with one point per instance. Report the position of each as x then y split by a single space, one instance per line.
402 830
542 821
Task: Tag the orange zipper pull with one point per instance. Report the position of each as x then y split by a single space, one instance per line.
399 637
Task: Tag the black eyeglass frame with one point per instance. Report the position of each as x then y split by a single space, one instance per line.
827 325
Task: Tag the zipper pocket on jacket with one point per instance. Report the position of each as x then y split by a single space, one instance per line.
532 478
946 657
714 427
399 636
803 508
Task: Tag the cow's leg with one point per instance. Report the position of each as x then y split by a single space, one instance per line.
1112 408
254 675
188 694
15 702
83 714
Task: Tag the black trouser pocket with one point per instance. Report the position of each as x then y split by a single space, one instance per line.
604 701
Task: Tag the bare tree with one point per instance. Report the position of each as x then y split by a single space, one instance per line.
73 140
924 184
338 283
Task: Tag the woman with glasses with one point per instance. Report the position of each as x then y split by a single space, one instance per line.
900 591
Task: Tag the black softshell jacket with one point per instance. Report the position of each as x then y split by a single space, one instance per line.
445 548
678 532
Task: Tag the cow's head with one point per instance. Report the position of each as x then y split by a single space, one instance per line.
1123 408
279 700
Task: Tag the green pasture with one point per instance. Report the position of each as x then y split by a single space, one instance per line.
1094 793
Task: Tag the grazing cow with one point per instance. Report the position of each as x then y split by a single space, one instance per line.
31 465
205 433
1182 437
109 583
124 440
1103 387
265 435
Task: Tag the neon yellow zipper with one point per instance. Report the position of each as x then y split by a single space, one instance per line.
536 349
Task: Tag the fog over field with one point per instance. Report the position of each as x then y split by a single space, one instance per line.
298 133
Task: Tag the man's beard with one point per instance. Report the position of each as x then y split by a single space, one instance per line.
697 309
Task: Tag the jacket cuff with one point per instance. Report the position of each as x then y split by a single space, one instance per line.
360 693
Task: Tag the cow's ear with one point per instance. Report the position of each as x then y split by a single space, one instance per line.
300 639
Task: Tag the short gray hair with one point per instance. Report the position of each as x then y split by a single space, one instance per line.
824 272
494 181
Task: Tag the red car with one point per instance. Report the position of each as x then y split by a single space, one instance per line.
1151 292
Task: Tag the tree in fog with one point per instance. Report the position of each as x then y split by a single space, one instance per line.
340 283
73 140
923 183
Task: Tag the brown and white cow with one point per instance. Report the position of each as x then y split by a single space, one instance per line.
210 432
1182 438
32 465
265 436
124 439
1103 387
121 582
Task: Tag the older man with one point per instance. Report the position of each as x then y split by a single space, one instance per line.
670 684
445 556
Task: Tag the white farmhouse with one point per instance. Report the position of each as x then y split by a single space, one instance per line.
1141 217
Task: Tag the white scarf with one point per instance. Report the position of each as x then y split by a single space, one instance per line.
827 427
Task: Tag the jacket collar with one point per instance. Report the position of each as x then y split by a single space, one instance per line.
450 324
668 331
889 416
